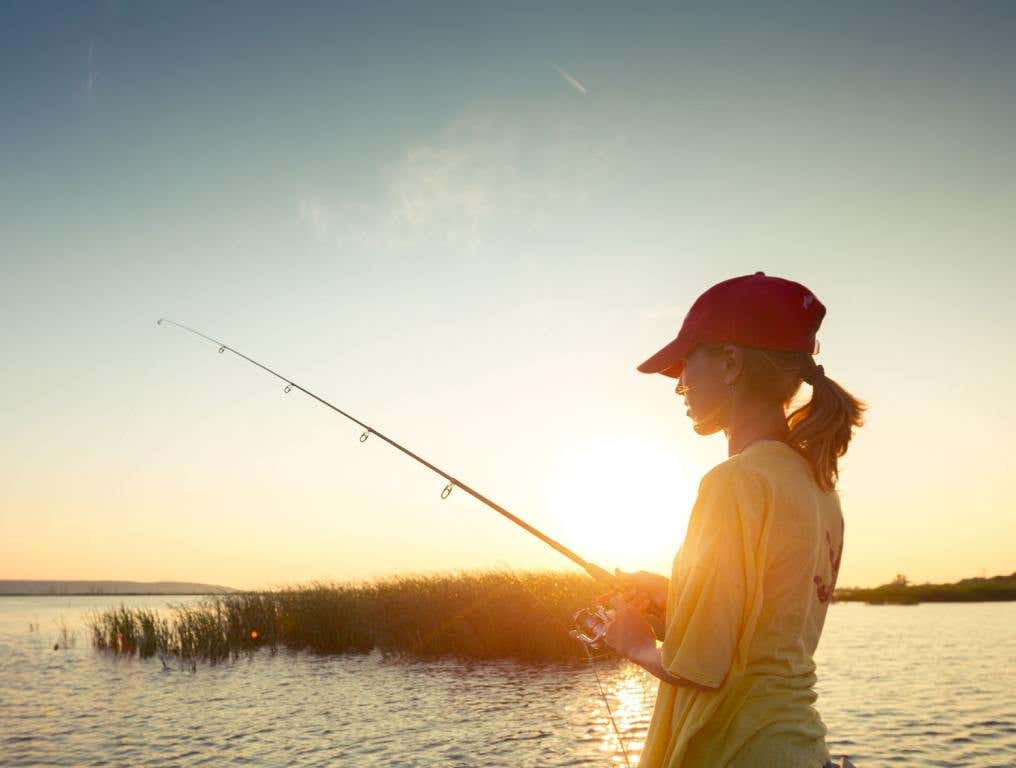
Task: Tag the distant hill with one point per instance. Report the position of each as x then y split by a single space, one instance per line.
20 587
995 588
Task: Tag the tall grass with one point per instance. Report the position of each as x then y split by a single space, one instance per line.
479 615
66 637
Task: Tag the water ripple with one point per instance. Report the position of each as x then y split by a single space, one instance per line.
897 686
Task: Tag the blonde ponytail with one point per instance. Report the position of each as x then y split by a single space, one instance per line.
820 430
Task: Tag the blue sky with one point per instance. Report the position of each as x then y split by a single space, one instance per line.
466 226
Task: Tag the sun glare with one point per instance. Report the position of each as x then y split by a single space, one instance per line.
620 501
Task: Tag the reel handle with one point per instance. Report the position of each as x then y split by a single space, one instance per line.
591 625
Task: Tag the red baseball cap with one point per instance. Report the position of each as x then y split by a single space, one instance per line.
750 311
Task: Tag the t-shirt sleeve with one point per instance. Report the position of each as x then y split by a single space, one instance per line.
704 624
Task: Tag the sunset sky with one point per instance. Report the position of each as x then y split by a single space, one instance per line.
466 226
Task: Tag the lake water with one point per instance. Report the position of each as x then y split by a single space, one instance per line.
904 686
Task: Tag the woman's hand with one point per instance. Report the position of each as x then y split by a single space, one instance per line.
652 585
629 632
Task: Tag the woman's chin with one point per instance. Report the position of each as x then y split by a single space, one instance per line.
704 428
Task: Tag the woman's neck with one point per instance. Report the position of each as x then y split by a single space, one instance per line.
752 425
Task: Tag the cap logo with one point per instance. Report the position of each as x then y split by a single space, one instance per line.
808 299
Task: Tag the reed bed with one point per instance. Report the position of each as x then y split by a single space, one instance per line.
476 615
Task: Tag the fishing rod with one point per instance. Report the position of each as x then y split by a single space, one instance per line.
601 575
590 624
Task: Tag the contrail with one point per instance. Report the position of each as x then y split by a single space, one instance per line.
90 82
571 80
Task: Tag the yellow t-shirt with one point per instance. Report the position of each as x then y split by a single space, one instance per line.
745 608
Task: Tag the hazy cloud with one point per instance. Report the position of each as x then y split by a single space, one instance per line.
311 212
486 173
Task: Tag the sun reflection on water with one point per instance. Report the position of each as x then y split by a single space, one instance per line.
631 694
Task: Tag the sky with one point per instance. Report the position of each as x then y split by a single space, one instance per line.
466 226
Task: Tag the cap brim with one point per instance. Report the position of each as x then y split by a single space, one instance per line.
670 360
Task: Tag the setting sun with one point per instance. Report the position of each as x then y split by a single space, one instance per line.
620 501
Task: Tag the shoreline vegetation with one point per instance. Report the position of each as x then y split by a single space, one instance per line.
55 588
900 592
477 615
499 614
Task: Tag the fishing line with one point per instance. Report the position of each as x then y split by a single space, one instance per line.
606 702
590 660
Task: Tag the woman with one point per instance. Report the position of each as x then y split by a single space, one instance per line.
750 586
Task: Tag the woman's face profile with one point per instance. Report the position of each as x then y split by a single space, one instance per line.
705 390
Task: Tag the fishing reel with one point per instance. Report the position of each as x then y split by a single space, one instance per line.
591 623
591 626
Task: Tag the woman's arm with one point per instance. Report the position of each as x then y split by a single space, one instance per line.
632 636
651 661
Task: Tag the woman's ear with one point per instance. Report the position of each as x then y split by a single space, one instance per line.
732 362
